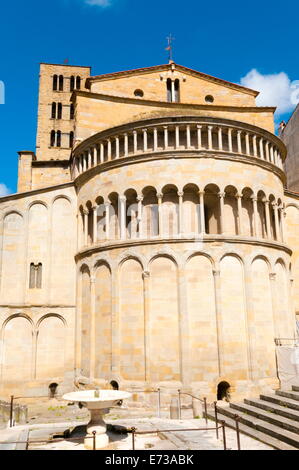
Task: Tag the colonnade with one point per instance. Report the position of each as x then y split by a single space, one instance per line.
172 213
188 136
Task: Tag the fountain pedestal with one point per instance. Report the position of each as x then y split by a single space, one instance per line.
98 402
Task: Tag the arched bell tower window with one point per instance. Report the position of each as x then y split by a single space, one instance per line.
53 112
58 139
173 90
61 82
78 83
59 111
55 82
177 90
72 83
169 92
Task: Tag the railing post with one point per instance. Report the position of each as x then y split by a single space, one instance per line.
159 403
223 434
94 440
238 431
206 409
179 392
11 411
216 419
133 438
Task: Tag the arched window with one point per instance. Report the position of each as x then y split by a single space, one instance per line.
72 83
52 139
35 278
53 113
168 84
58 139
72 111
78 83
60 82
177 90
71 139
59 112
55 82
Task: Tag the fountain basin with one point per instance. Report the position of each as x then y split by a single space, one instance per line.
98 407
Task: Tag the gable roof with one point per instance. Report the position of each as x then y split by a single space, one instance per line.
171 66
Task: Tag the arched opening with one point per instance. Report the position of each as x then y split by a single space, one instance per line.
114 385
52 139
168 85
212 209
58 139
59 112
60 82
55 82
78 83
223 391
177 90
53 390
72 83
53 113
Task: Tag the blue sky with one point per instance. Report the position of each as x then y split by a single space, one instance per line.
254 43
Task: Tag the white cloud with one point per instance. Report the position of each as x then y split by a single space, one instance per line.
4 191
275 90
98 3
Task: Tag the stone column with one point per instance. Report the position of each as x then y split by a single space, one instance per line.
240 214
165 137
199 137
210 138
102 152
126 145
239 141
155 139
221 213
254 146
109 149
144 140
275 209
220 351
107 219
282 215
271 154
202 212
80 164
140 214
80 228
247 143
89 156
147 332
255 216
135 142
92 326
160 214
267 152
95 228
85 212
181 215
276 319
188 137
230 141
220 138
177 137
116 147
123 234
268 222
84 162
261 148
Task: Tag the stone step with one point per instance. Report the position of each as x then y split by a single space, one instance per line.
254 433
287 394
273 408
282 401
295 388
264 427
269 417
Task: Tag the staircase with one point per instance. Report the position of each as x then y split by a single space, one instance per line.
272 419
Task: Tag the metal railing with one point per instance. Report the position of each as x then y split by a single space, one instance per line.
222 426
51 441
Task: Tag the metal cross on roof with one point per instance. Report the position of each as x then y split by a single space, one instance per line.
169 48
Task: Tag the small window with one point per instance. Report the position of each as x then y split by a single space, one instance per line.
35 278
72 111
71 139
52 138
72 83
177 90
168 85
209 99
55 82
139 93
60 82
59 112
58 139
78 83
53 112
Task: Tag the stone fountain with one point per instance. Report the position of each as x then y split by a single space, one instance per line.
98 402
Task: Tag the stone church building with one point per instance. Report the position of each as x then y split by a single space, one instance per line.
153 240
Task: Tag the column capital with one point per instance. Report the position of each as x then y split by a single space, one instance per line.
216 272
94 208
140 198
92 280
253 198
221 195
180 193
107 203
122 198
266 201
239 195
146 274
272 276
199 126
201 191
159 195
85 211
